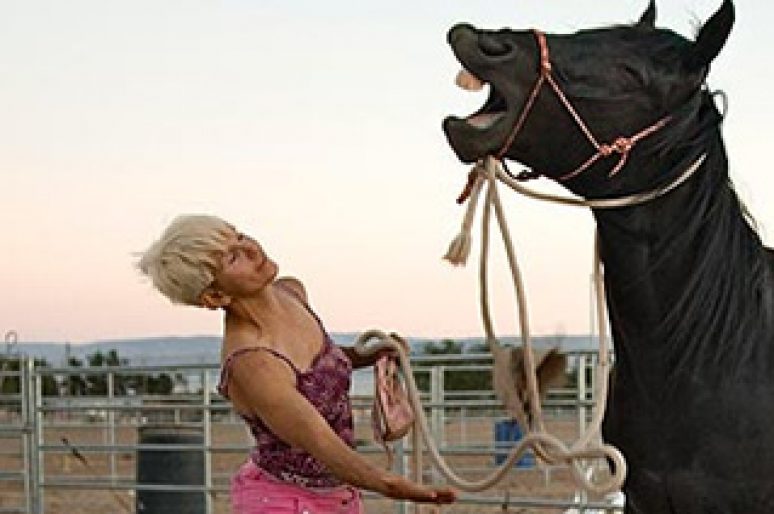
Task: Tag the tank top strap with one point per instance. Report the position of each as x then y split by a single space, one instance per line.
225 370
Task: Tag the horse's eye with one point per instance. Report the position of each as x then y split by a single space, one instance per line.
632 75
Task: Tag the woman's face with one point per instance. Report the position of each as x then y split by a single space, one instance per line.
245 269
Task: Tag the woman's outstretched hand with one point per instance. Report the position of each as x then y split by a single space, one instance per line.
444 495
404 489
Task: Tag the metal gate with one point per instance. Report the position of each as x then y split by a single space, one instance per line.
15 435
65 448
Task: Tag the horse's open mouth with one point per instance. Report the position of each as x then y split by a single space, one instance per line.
485 131
485 60
493 110
474 136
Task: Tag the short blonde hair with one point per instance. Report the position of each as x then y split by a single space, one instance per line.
182 263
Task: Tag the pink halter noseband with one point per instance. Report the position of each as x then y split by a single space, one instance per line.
621 145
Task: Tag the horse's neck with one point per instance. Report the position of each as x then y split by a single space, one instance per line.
655 255
639 278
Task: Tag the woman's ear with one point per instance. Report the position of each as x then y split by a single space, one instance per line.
213 299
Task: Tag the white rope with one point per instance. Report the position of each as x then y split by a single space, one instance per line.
494 169
584 445
459 249
537 438
530 440
609 203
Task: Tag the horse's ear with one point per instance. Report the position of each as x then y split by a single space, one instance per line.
648 18
711 38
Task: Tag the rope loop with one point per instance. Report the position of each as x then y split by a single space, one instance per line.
542 443
537 438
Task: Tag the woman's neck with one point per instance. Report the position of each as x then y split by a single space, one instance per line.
262 311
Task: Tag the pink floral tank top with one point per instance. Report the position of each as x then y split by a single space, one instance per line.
326 385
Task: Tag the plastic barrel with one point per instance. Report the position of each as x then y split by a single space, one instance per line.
174 466
508 432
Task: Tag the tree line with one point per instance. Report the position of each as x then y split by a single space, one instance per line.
454 379
90 384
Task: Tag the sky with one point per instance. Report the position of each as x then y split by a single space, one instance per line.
314 126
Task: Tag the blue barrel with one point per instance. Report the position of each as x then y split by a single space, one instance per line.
170 467
507 433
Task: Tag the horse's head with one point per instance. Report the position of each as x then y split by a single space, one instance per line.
619 80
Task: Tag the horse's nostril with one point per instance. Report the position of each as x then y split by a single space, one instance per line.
492 45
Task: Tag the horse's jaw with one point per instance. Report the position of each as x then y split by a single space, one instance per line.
485 131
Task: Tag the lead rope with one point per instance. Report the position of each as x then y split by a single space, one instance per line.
584 444
537 438
491 171
533 439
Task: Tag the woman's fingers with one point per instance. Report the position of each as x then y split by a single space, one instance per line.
445 495
438 495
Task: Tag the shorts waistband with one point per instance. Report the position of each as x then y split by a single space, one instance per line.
342 491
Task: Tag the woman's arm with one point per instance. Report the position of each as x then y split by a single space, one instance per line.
263 385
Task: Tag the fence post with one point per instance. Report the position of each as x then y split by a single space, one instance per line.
26 425
400 451
436 398
581 495
36 400
207 439
464 426
581 393
111 420
437 411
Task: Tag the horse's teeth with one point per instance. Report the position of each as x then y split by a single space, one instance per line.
485 120
467 80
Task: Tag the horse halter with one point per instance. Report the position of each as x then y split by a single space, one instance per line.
621 145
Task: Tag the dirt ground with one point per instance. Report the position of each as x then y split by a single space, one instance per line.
231 442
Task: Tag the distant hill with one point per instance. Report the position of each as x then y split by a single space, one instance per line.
139 351
206 349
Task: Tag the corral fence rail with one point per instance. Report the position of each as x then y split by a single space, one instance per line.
60 449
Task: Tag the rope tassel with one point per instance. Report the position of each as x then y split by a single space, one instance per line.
459 248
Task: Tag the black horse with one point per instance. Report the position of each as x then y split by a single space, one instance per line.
688 281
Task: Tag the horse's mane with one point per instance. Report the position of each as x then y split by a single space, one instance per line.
724 306
725 303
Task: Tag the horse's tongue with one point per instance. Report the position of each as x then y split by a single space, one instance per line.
484 120
467 80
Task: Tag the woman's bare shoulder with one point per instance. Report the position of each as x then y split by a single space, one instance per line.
295 285
260 380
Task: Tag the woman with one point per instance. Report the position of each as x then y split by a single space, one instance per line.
280 370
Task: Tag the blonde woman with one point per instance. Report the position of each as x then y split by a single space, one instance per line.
280 370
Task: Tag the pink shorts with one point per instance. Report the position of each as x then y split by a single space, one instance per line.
253 491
